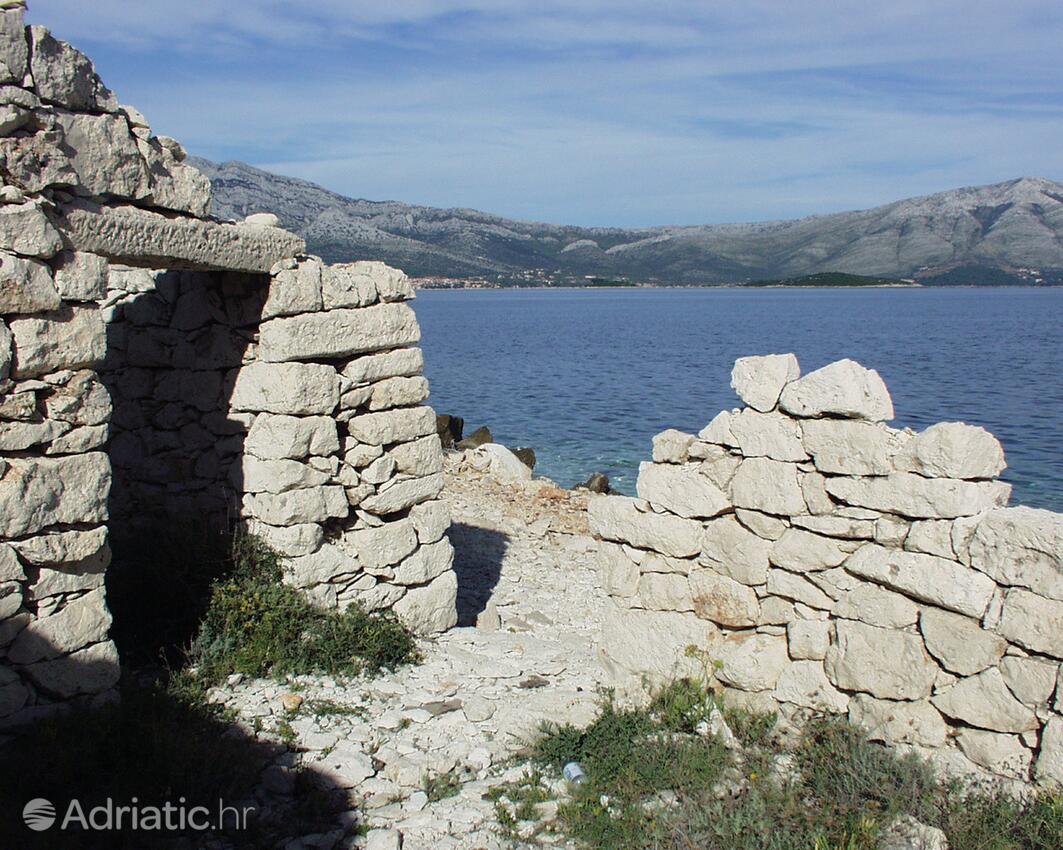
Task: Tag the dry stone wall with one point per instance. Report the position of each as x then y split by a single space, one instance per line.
818 560
159 365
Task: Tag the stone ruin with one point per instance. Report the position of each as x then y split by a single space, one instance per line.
157 365
819 560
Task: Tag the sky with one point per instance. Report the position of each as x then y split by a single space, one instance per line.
597 112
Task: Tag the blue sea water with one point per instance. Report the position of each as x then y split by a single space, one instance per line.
587 377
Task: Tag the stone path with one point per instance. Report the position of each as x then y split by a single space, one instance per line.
527 572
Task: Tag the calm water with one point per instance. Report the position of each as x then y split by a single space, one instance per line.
587 377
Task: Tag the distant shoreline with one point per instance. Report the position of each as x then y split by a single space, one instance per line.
731 286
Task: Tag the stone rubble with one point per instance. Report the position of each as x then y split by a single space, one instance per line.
828 562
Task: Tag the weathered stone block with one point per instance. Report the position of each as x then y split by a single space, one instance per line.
79 623
393 426
403 494
300 506
398 392
65 76
672 446
723 600
916 497
14 47
618 518
892 722
885 663
844 388
759 381
801 551
294 290
805 684
254 475
770 435
959 643
808 640
985 701
751 661
338 333
797 588
952 450
1033 622
68 338
762 484
26 230
851 447
104 155
877 606
274 436
1004 755
38 492
423 456
681 490
26 286
287 388
349 285
1015 546
370 368
432 608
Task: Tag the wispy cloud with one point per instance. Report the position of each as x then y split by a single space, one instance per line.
597 111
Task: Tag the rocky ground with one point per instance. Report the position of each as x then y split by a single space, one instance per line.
418 749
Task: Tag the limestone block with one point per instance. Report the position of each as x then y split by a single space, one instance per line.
1016 546
751 661
892 722
82 400
681 490
17 436
370 368
379 471
762 525
398 392
1001 754
731 550
104 155
425 564
403 494
814 489
328 564
10 568
917 497
952 450
618 518
877 606
338 333
797 588
254 475
381 547
142 237
275 436
808 640
294 290
294 540
67 338
14 47
762 484
768 435
665 592
79 440
844 388
985 701
759 381
175 185
885 663
1049 769
931 537
775 611
723 600
38 492
26 286
393 426
959 644
287 388
430 520
924 577
432 608
61 547
391 284
65 76
805 684
79 623
348 285
801 551
26 230
619 574
300 506
423 456
1033 622
672 446
1030 679
718 431
851 446
653 562
836 526
653 643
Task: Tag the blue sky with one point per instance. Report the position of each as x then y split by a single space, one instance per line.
607 112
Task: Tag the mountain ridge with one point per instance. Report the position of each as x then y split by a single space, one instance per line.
1013 225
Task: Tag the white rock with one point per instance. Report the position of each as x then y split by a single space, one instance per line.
83 621
432 608
38 492
877 606
1001 754
917 497
672 446
287 388
844 388
619 574
66 76
722 600
425 564
293 290
762 525
26 286
383 839
293 540
5 357
801 551
403 494
26 230
398 392
1030 621
681 490
1030 679
382 547
851 447
762 484
960 644
262 219
338 333
768 435
836 526
17 436
617 518
423 456
717 463
79 440
927 578
760 380
61 547
501 464
808 640
952 450
791 586
665 592
348 285
104 155
67 338
892 722
1049 769
718 431
371 368
653 643
87 671
805 684
883 662
931 537
14 46
275 436
751 662
254 475
430 520
393 426
906 833
985 701
300 506
1016 546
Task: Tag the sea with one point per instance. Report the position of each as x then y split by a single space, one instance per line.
586 377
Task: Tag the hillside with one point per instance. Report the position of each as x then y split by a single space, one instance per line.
1010 226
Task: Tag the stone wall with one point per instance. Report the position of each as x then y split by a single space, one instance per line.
820 560
157 365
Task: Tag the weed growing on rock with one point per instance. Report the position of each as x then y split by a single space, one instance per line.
440 786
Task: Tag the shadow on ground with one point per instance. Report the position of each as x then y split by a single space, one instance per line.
478 554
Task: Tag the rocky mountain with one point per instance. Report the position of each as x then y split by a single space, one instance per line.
1011 226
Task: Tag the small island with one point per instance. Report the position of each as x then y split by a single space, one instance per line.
833 279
